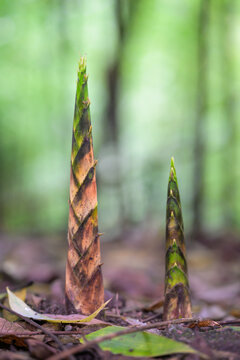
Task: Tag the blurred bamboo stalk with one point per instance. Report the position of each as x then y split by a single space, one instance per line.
201 107
229 131
84 283
124 12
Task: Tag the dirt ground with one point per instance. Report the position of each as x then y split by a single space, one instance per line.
134 276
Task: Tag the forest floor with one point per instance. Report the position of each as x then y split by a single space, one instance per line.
134 277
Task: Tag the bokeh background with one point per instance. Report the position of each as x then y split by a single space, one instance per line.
164 80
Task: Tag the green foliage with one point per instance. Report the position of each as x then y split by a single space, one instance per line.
139 343
41 42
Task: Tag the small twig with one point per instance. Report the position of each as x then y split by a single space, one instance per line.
155 305
33 333
155 316
27 333
230 322
79 348
111 314
33 323
79 332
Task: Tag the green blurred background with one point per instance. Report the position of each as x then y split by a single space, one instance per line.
164 79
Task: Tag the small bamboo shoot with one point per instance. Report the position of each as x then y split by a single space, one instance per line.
177 303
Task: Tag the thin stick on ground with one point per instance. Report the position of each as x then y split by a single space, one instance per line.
230 322
153 317
33 333
79 332
79 348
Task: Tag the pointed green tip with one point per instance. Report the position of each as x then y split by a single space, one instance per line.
82 76
82 63
173 175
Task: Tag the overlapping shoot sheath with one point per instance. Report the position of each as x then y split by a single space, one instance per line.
84 283
177 302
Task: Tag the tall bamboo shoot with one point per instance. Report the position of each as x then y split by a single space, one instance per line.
84 283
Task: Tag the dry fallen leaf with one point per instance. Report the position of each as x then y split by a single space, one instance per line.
13 339
23 309
10 333
12 355
235 312
7 327
39 350
30 261
203 323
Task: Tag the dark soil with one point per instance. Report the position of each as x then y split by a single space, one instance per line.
134 275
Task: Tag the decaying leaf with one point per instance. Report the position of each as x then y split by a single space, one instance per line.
139 343
10 333
235 313
7 327
13 355
203 323
39 350
84 283
23 309
13 339
177 303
